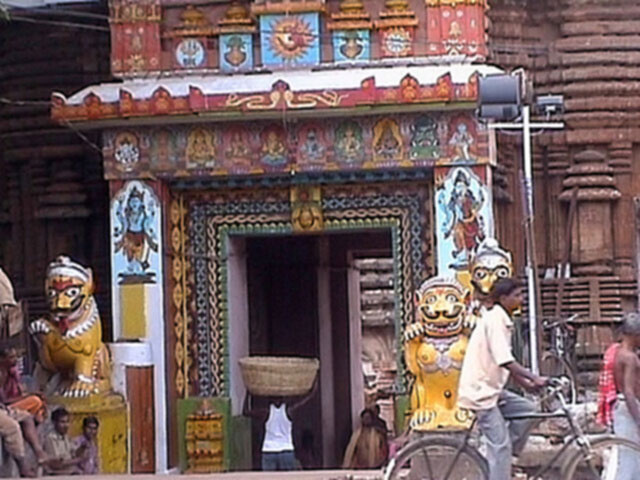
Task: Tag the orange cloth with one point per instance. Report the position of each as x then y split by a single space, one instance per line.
33 404
607 391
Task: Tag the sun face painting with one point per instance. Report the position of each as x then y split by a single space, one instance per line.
290 39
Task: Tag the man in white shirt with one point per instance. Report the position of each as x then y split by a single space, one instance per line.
487 365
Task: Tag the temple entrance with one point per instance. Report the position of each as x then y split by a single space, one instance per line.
304 299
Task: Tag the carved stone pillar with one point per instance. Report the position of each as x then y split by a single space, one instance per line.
592 251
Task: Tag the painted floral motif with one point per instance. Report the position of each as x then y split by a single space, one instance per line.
396 42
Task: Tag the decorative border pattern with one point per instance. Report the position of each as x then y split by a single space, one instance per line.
212 217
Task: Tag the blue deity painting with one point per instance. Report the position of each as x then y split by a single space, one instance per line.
290 40
351 45
135 227
464 219
236 52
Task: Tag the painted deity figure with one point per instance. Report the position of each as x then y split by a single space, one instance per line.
462 140
349 145
136 236
273 149
201 150
424 139
434 347
388 146
70 337
465 224
312 150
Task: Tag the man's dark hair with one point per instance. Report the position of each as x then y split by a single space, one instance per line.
90 420
58 414
504 286
631 324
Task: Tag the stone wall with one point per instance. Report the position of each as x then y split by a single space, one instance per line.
588 52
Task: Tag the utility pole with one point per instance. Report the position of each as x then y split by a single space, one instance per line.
499 99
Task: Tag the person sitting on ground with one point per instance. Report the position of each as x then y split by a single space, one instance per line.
619 394
64 458
12 391
486 368
13 442
278 451
28 428
368 447
86 447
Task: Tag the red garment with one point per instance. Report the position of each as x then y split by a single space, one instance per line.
607 391
12 386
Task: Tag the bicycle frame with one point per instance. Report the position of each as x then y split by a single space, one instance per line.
577 437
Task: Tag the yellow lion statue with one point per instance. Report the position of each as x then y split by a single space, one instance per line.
434 347
70 339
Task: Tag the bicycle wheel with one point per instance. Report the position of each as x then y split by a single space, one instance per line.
553 366
437 458
601 461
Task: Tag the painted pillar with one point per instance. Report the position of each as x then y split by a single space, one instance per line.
136 282
463 196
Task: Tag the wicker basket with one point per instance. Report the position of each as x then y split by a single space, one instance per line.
278 376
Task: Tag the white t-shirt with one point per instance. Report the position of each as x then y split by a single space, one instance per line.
277 431
483 375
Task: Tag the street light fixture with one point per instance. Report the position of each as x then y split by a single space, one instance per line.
499 100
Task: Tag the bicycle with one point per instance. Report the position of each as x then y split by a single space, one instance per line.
559 359
440 457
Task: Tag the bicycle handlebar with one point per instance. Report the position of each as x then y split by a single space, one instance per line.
548 325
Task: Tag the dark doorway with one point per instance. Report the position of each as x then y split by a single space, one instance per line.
298 301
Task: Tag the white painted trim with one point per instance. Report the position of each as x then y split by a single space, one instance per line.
238 335
355 345
298 80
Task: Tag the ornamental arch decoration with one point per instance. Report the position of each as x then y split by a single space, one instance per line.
200 224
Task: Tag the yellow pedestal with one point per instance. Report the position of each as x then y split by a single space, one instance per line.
133 311
112 413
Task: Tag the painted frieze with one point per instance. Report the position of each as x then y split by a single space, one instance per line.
464 216
236 39
351 32
135 229
237 148
290 40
